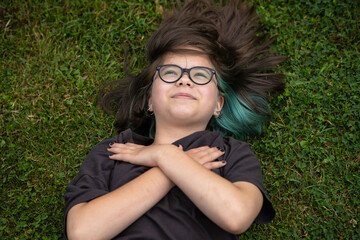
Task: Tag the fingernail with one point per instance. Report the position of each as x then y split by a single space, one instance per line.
220 149
110 144
223 162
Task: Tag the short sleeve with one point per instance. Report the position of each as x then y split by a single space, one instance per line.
243 165
92 180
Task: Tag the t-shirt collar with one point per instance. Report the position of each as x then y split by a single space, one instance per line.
199 138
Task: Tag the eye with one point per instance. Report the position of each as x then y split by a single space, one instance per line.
170 71
200 73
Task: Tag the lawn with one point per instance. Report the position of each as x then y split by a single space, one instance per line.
55 55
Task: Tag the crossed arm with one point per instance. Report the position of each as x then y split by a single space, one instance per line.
232 206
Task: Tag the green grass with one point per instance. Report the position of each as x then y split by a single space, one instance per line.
55 55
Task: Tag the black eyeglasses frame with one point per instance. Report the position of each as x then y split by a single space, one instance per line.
187 70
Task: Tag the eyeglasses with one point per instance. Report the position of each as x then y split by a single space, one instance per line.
198 75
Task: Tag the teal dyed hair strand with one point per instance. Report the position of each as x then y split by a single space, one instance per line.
237 117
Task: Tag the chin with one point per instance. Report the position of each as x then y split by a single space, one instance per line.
183 116
189 118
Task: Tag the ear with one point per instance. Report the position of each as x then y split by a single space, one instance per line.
219 105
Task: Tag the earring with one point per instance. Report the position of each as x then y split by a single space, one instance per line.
218 113
150 111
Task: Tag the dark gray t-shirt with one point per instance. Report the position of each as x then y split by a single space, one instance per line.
175 216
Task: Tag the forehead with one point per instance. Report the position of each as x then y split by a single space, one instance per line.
187 58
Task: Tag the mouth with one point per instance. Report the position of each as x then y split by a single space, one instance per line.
183 96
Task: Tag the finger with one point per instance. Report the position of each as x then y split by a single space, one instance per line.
199 149
123 149
113 152
121 157
200 152
214 164
205 155
128 145
115 147
208 150
203 148
115 156
210 156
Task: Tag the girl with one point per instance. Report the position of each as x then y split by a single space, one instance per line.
172 173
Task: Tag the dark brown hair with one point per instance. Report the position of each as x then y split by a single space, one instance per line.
227 34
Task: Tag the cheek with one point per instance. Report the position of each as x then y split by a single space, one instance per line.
212 97
158 93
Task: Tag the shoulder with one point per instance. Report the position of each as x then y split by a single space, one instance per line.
243 166
235 143
242 163
98 157
238 149
123 137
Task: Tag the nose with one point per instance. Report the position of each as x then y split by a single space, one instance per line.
184 81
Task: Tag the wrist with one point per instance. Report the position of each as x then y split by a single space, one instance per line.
166 153
157 171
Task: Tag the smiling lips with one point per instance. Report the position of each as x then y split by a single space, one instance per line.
184 96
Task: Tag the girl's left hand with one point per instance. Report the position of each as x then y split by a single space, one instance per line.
136 154
206 156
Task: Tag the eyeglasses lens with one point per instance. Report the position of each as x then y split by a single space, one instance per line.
170 73
200 75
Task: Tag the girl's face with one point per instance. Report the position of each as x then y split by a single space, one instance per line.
184 102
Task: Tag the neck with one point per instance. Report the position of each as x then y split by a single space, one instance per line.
168 134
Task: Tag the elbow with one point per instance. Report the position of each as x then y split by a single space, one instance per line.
75 232
77 228
242 215
237 221
236 226
80 233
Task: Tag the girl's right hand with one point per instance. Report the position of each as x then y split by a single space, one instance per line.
206 156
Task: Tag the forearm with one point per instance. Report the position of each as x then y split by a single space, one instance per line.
110 214
232 206
220 200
